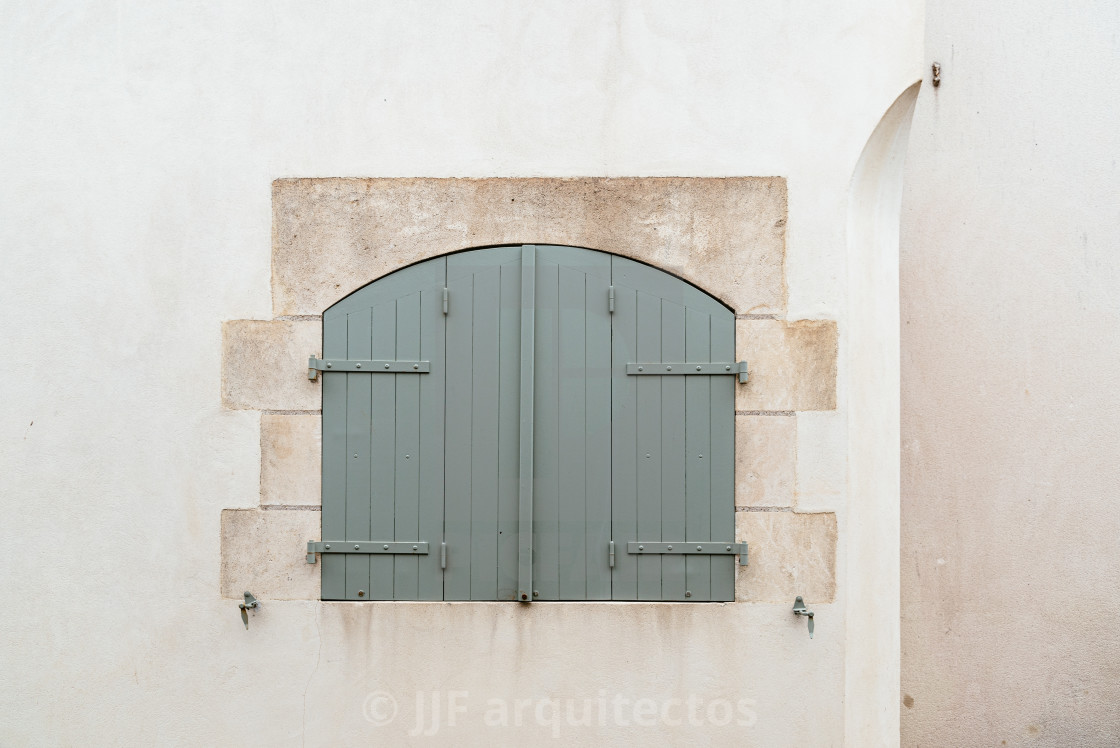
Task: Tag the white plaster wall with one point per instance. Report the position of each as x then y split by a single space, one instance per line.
139 143
1011 380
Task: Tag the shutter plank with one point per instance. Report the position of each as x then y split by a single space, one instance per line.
624 494
484 435
358 435
382 465
597 443
649 458
698 479
430 463
723 457
546 436
334 460
406 487
572 370
457 577
509 374
673 450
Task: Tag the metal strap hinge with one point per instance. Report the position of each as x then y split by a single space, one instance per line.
673 368
365 366
366 546
695 549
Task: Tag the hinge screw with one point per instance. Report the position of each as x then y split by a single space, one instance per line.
361 593
688 593
536 593
356 547
327 547
415 548
697 368
641 368
641 547
329 365
386 366
668 368
727 368
670 547
384 547
699 548
357 366
416 366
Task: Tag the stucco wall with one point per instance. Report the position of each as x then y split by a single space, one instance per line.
140 146
1010 280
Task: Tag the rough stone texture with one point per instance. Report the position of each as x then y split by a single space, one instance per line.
331 236
765 460
291 453
792 364
790 554
264 364
265 552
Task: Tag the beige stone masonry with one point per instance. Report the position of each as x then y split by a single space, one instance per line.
765 460
265 552
264 364
332 236
791 554
291 452
792 364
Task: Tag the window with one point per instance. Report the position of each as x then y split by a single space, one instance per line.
518 423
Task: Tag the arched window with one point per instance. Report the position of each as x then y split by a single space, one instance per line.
528 423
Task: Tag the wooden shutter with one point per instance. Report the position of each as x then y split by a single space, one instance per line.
440 457
673 437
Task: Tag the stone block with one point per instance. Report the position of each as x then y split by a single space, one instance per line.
792 364
291 455
265 552
332 236
264 364
765 460
791 554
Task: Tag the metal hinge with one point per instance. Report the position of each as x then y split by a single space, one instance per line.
695 549
446 300
672 368
610 299
367 546
356 366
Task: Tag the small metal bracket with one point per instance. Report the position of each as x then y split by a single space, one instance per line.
936 74
365 546
250 603
354 366
799 609
673 368
696 549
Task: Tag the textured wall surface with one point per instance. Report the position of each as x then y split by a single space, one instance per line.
141 143
1011 380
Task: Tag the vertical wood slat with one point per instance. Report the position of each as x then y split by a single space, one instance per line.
431 455
571 371
358 435
597 442
650 457
484 435
673 450
382 344
624 498
525 428
509 371
723 457
407 456
546 435
698 484
334 459
460 367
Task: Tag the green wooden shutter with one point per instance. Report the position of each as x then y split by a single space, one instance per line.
522 492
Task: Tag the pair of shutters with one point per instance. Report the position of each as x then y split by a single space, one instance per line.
495 446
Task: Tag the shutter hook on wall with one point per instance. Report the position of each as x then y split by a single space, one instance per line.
250 603
799 609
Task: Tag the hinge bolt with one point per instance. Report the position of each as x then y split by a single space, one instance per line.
357 366
641 547
361 593
416 366
697 368
727 368
688 593
670 547
668 368
384 547
728 547
536 593
356 546
415 548
641 368
699 548
327 547
329 365
386 366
